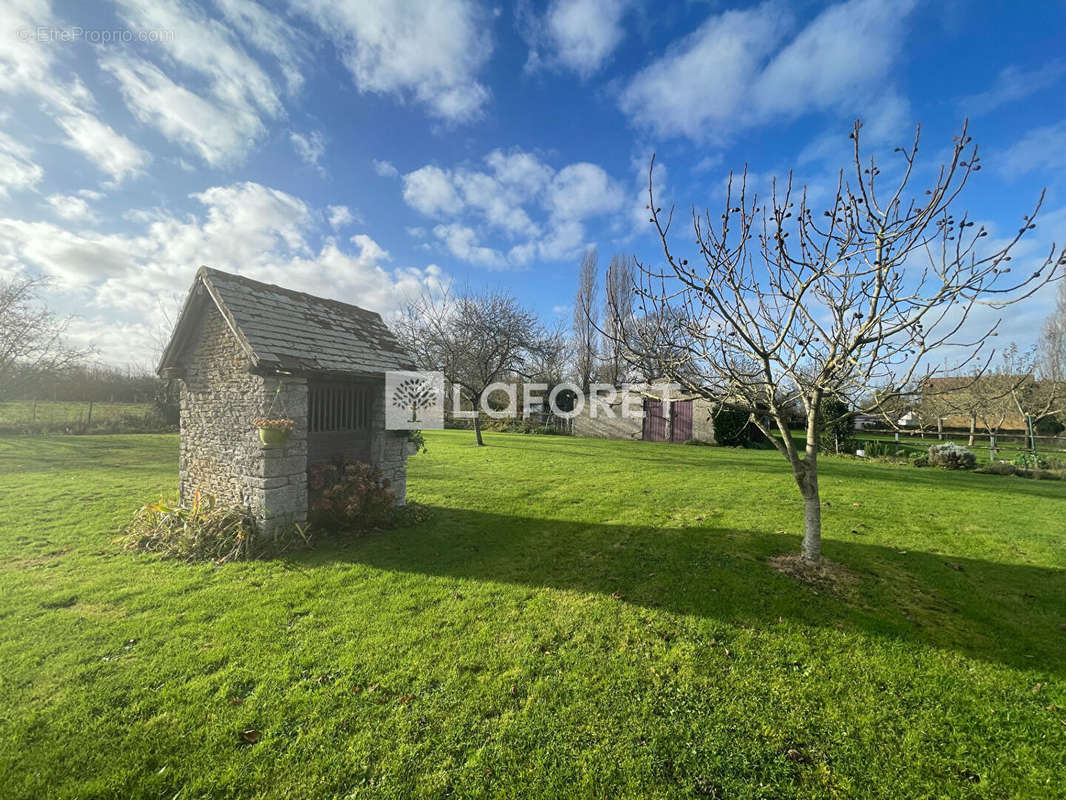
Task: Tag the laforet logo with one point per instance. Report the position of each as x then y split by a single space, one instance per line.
414 400
414 394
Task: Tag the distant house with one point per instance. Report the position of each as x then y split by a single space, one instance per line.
676 419
245 350
940 390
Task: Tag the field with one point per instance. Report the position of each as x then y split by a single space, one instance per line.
70 417
578 618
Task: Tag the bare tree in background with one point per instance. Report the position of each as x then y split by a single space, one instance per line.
586 351
618 314
788 303
32 340
475 339
1036 390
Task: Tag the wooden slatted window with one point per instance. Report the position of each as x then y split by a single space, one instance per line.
338 407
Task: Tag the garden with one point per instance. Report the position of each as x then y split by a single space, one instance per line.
564 618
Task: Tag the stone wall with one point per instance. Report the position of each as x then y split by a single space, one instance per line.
220 450
388 449
616 426
703 420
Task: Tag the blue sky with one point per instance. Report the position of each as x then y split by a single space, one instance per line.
372 149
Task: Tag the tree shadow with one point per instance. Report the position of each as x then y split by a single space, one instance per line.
1006 613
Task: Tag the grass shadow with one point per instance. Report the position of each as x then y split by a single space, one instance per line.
1003 613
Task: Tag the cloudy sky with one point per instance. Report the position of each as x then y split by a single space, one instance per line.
367 149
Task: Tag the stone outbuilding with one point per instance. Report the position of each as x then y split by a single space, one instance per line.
243 350
678 418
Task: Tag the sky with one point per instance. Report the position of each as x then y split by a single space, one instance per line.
370 150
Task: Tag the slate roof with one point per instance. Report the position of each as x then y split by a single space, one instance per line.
291 331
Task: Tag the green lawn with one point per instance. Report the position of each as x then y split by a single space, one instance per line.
58 413
580 618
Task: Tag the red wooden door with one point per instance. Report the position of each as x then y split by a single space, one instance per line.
681 422
654 420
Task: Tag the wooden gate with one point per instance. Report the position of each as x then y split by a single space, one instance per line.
681 421
654 429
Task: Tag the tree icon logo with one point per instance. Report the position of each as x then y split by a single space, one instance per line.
414 394
414 400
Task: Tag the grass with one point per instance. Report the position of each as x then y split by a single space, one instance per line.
579 618
68 413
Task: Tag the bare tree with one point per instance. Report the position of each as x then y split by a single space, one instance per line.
32 342
585 320
789 304
1036 391
475 339
618 313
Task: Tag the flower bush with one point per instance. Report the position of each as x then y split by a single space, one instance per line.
951 456
349 496
204 530
274 424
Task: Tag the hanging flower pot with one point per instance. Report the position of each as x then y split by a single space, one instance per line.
274 432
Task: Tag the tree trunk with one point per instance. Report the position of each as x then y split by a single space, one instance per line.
973 430
812 526
477 430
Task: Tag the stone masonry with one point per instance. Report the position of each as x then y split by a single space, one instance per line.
244 349
220 452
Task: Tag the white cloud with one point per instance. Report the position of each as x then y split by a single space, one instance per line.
29 67
429 50
1040 148
245 227
1013 83
518 197
208 48
310 147
208 95
385 169
579 35
112 152
739 69
220 134
17 169
339 216
268 33
582 190
430 190
70 207
463 243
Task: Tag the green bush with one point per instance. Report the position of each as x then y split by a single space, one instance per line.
349 496
951 456
201 531
836 426
998 468
732 428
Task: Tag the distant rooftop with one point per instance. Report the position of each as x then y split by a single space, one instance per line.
289 331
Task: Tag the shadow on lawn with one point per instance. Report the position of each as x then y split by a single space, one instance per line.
995 612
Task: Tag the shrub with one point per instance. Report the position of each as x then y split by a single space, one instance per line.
836 426
1031 461
350 496
921 461
879 448
732 428
200 531
418 440
998 468
951 456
